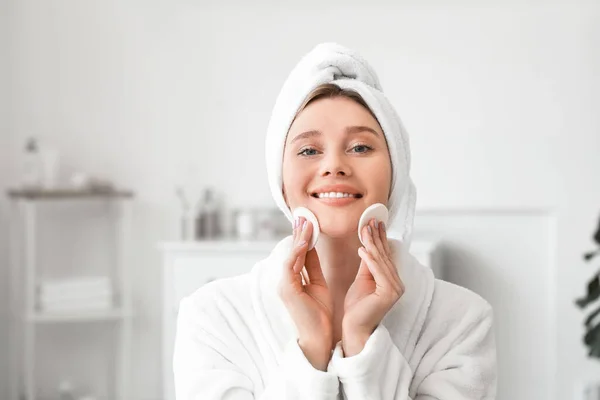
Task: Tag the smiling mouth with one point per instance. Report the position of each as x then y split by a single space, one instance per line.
336 195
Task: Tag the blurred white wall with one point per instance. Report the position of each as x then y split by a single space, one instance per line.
4 177
500 100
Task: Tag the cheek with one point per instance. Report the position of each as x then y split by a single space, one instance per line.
382 181
293 180
382 188
288 174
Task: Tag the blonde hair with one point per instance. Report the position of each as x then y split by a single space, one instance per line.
330 91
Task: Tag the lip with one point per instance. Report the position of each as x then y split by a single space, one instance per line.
341 188
336 201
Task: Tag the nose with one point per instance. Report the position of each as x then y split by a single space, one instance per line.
335 164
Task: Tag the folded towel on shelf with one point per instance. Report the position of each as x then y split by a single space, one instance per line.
78 298
75 286
92 293
74 295
99 304
86 281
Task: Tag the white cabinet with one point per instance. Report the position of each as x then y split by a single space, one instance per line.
189 265
27 310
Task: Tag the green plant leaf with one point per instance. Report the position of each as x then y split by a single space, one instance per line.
593 292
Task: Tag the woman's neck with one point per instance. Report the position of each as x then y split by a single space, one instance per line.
339 261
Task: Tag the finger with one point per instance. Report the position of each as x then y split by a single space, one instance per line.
374 251
299 262
305 276
383 256
363 271
313 268
396 281
366 236
386 244
304 232
383 246
294 229
377 236
292 261
368 240
297 229
376 270
386 288
306 229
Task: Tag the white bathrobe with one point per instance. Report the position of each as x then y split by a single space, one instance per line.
236 340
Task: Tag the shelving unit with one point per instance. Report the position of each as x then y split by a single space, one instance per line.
25 317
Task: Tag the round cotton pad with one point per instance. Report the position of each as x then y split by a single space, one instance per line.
306 213
377 211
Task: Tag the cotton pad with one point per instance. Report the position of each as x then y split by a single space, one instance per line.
377 211
306 213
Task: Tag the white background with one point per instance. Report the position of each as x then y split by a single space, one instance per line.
501 99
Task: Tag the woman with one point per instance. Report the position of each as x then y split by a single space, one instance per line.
342 320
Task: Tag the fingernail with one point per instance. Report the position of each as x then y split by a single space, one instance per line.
304 225
302 243
383 226
370 230
295 223
376 224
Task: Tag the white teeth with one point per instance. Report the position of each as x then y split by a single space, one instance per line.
334 195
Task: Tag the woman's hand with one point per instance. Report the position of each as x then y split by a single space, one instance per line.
376 288
309 303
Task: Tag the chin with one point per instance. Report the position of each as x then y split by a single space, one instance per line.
338 229
338 233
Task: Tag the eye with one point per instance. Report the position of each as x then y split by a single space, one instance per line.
362 148
308 151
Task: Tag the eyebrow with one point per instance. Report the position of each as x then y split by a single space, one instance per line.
349 130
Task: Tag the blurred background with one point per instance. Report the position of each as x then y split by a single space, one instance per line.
132 170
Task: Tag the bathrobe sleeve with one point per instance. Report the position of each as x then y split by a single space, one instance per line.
458 365
208 364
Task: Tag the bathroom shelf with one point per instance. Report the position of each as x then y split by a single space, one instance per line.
80 316
67 193
26 317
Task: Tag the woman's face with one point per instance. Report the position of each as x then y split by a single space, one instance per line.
335 145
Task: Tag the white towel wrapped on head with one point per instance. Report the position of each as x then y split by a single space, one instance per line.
336 64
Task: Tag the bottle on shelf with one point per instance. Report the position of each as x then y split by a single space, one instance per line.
31 165
208 218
